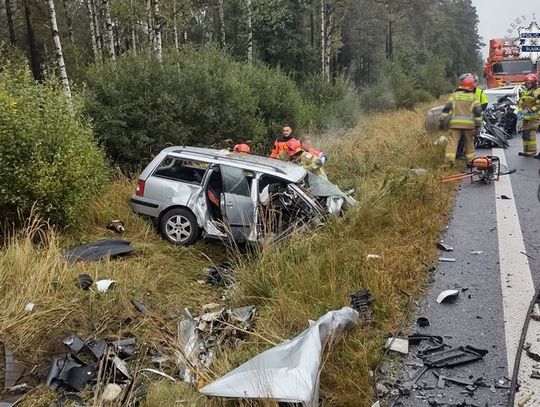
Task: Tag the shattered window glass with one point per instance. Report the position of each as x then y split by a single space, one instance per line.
182 170
234 181
321 187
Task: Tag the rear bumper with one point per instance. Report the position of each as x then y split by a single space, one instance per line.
144 207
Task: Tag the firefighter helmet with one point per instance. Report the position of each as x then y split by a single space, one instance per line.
242 148
468 83
293 146
532 78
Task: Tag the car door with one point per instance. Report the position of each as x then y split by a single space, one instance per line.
237 205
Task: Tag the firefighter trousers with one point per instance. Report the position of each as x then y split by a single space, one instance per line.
528 135
453 141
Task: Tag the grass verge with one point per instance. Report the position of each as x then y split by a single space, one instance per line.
399 217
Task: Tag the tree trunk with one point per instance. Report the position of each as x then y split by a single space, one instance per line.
250 31
96 11
133 32
69 21
221 24
109 25
34 52
324 43
9 18
390 41
175 27
158 45
58 50
91 19
150 23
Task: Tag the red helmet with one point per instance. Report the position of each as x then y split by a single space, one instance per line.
532 78
468 83
242 148
293 146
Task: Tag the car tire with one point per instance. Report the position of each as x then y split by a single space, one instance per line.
179 226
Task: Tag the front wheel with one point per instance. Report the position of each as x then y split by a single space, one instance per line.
179 226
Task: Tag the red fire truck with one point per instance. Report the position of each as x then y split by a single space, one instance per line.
504 66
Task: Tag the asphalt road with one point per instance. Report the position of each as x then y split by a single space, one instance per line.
495 286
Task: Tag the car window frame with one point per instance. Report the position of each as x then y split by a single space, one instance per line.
182 159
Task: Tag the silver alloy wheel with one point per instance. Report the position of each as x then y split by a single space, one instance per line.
178 228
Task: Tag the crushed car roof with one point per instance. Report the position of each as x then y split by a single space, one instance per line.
281 169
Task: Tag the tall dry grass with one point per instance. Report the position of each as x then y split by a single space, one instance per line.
400 215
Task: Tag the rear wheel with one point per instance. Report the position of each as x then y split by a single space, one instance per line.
179 226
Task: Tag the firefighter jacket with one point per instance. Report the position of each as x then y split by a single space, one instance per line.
463 109
528 104
280 145
482 98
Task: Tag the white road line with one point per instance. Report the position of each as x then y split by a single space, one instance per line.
516 280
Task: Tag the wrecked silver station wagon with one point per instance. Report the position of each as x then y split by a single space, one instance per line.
189 190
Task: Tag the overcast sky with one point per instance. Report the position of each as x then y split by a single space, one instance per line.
496 16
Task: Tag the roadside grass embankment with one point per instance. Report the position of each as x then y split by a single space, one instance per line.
399 217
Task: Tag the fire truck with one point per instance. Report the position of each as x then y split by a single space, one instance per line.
504 67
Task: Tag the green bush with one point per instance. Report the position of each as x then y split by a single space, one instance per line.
49 161
377 97
336 104
203 98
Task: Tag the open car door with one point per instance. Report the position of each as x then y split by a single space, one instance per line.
237 205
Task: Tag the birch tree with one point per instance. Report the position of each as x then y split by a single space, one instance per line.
175 26
109 26
325 43
93 36
58 50
250 31
158 45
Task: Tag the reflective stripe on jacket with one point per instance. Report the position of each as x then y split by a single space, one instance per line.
464 110
528 104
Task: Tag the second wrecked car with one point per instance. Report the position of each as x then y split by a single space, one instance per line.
189 190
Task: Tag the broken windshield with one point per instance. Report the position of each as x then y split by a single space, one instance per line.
321 187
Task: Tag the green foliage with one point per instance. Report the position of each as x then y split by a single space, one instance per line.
50 162
335 105
201 98
377 97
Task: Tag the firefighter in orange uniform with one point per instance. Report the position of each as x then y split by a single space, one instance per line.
280 144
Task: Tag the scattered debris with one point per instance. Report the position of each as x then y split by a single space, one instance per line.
71 400
454 356
288 372
222 274
441 140
361 301
139 306
528 255
111 392
419 171
447 295
397 345
422 322
533 351
84 282
106 248
104 285
476 252
116 226
13 369
71 373
372 256
198 336
443 246
505 197
165 375
447 259
29 307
